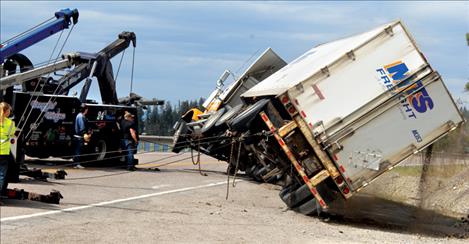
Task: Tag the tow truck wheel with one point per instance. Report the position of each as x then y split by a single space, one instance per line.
100 149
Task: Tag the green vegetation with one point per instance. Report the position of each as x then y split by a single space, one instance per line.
456 141
161 119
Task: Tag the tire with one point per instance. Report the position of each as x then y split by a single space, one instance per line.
250 169
297 197
24 64
286 190
100 148
242 121
228 115
210 123
302 200
308 208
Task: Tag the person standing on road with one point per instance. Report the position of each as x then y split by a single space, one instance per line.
81 128
7 132
129 138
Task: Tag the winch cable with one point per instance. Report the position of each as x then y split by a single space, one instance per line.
150 168
132 72
48 102
228 170
245 62
37 84
119 67
197 162
230 164
237 163
51 99
155 161
119 156
27 31
204 140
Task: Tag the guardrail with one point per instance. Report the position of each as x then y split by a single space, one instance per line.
155 143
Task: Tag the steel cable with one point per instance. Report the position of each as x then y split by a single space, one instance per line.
119 67
26 31
37 97
50 99
37 84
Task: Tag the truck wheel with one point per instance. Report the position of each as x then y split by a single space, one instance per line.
242 122
297 197
260 172
286 190
228 115
250 169
308 208
210 123
100 149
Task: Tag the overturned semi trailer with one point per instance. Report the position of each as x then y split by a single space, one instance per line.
336 118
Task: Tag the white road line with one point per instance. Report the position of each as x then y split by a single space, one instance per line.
159 186
109 202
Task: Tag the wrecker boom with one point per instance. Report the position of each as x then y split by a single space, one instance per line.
68 60
98 65
64 18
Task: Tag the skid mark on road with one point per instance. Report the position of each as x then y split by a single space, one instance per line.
73 209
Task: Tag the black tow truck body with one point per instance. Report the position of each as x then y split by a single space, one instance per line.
46 119
52 136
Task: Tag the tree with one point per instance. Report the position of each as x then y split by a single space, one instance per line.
467 84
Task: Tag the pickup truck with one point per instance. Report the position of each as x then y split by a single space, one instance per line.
333 120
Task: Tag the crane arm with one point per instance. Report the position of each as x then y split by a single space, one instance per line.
63 20
103 70
68 60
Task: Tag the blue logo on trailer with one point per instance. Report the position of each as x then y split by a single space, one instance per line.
415 97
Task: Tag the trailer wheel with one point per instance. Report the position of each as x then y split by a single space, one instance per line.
242 122
308 208
210 123
228 115
100 149
250 169
294 198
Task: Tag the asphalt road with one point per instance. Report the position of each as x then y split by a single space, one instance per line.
175 205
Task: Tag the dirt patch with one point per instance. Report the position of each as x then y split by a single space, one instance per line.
432 200
368 210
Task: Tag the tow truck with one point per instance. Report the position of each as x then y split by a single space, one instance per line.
43 110
10 61
46 119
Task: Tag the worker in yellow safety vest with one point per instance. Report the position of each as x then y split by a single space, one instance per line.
7 132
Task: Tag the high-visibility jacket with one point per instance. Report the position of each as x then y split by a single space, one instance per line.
7 131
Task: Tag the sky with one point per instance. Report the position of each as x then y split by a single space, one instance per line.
183 47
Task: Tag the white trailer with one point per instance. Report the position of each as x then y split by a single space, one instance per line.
363 104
